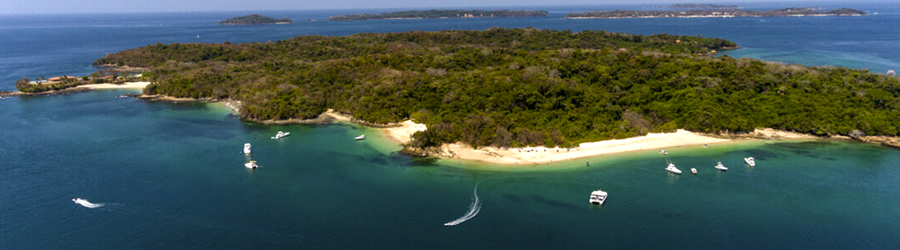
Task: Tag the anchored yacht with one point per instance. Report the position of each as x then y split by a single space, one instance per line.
671 168
719 166
280 135
750 161
247 148
598 197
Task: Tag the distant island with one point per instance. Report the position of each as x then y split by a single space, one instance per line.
254 20
700 6
419 14
811 11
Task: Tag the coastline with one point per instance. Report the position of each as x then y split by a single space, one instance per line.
401 133
79 88
542 155
127 85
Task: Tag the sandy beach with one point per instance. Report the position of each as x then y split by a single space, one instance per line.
127 85
541 155
402 133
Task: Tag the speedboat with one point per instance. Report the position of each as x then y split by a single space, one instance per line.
251 165
671 168
694 170
750 161
719 166
247 148
280 135
86 203
598 197
360 137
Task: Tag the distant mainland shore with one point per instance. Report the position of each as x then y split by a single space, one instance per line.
715 12
427 14
699 6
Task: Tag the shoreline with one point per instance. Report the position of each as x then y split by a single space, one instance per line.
127 85
401 133
542 155
78 89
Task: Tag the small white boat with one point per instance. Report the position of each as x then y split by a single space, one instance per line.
750 161
247 148
280 135
663 152
671 168
719 166
251 165
360 137
598 197
694 170
86 203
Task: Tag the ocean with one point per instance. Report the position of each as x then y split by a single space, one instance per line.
170 175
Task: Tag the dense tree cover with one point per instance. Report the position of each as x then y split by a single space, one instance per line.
441 14
514 87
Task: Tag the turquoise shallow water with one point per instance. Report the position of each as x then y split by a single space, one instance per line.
171 176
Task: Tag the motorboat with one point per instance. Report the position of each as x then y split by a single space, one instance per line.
251 165
663 152
86 203
750 161
280 135
719 166
360 137
672 169
247 148
598 197
694 170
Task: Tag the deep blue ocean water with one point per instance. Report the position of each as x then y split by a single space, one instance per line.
170 175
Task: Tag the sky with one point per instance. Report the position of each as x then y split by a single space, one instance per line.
131 6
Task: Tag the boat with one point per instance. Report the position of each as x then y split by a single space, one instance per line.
247 148
280 135
750 161
694 170
719 166
251 165
663 152
86 203
598 197
671 168
360 137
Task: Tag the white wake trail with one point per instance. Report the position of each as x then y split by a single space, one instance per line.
86 203
474 208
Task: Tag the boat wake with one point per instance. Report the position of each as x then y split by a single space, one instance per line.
474 208
86 203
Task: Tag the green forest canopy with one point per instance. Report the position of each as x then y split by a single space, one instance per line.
515 87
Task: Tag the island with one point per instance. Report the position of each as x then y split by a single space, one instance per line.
254 19
418 14
811 11
516 88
